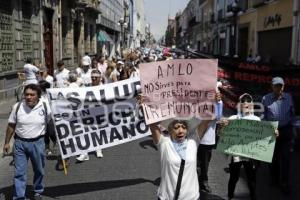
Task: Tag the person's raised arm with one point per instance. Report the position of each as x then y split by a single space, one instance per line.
155 130
202 127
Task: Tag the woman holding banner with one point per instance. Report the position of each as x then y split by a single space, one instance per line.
245 111
178 156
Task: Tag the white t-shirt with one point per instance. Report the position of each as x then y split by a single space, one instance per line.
170 165
102 67
62 78
49 79
85 76
209 138
30 73
248 117
73 85
31 121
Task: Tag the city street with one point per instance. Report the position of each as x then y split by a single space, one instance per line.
131 171
90 74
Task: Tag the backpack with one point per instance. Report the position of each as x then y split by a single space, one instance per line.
45 108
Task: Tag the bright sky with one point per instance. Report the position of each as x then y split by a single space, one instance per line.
157 12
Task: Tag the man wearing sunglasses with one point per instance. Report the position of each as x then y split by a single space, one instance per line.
96 81
279 107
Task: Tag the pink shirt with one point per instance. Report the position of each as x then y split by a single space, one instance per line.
102 67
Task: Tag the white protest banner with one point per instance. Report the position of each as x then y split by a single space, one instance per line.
249 138
90 118
178 88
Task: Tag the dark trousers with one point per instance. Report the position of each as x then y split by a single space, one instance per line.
250 169
280 166
203 159
50 134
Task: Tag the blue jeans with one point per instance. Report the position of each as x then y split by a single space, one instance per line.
23 150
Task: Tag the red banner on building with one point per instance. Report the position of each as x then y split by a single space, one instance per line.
255 79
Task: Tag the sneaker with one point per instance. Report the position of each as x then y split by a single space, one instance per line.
99 153
48 152
37 197
83 157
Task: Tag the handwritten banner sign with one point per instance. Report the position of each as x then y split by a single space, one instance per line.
249 138
91 118
178 88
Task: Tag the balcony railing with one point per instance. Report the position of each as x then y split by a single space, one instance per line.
88 3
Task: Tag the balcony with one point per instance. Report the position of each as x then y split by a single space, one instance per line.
259 3
89 5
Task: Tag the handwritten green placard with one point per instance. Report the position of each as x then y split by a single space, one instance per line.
249 138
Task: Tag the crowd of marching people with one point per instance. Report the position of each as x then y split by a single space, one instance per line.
185 149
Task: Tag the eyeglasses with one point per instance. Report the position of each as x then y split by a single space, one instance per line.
95 77
246 99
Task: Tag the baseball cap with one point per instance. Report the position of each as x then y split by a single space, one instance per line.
277 81
120 62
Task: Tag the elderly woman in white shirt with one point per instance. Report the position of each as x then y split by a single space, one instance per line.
176 147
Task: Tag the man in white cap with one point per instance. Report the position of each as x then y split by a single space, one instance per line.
279 107
119 69
84 72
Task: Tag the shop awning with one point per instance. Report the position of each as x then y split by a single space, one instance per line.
104 37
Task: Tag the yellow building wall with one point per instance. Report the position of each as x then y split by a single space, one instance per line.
257 20
249 19
282 8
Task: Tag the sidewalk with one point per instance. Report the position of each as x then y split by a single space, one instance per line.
5 108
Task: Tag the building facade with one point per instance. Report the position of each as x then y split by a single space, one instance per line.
47 31
262 23
139 24
111 26
239 28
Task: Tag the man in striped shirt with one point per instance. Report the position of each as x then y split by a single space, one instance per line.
279 107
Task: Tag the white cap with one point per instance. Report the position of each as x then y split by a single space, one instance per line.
120 62
86 61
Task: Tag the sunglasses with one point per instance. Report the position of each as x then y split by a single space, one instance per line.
246 100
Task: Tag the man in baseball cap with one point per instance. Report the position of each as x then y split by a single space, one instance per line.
277 81
279 106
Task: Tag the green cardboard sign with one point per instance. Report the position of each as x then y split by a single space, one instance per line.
249 138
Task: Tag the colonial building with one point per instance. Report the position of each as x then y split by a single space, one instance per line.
78 30
111 27
47 31
261 24
20 33
138 24
170 33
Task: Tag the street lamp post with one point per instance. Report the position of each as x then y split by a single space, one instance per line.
235 9
122 23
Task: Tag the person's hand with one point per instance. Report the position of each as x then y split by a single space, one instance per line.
142 99
276 132
218 96
6 149
222 124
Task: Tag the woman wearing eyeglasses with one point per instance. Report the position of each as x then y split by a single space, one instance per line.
245 111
